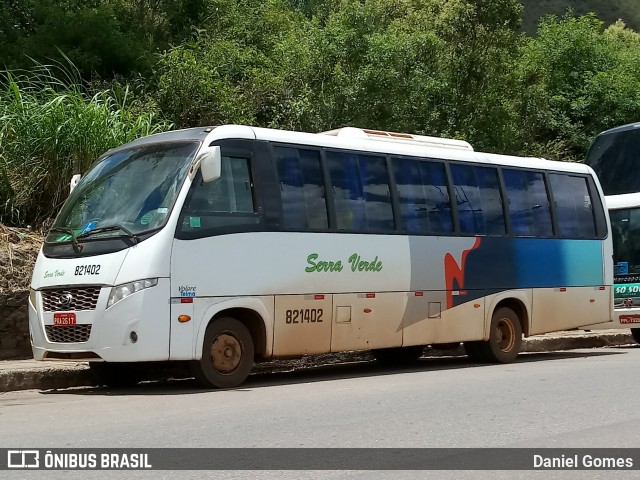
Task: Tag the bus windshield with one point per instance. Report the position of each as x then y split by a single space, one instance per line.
625 225
615 157
126 193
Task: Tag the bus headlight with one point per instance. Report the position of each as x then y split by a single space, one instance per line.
120 292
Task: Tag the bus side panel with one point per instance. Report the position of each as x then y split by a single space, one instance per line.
426 320
366 320
302 324
563 308
182 333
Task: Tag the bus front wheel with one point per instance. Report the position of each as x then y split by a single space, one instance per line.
635 333
227 355
505 337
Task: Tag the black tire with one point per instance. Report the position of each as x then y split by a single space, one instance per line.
635 333
116 375
505 337
227 355
398 355
475 351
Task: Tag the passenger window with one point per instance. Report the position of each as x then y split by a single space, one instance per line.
478 199
301 189
574 208
377 198
360 192
529 210
423 195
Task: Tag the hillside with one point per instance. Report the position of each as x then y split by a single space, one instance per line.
607 10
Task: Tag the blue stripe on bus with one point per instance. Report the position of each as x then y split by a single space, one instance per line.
499 264
552 263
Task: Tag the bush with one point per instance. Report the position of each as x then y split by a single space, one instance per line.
51 127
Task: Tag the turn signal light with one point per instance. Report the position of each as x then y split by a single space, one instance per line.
184 318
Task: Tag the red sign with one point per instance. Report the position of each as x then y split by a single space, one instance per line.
65 319
624 319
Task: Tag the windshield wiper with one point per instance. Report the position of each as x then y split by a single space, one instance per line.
77 246
111 228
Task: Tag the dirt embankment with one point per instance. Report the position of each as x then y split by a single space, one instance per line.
18 251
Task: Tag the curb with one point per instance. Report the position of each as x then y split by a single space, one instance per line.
51 376
48 378
576 341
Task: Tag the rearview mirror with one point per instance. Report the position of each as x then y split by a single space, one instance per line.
74 181
210 164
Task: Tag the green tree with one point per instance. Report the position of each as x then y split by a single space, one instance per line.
575 80
101 37
432 67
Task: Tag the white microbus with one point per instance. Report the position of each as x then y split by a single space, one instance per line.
223 246
614 156
624 211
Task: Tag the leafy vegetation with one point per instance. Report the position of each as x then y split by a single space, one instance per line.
609 12
51 128
457 68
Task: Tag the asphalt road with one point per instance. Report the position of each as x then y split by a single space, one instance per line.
576 399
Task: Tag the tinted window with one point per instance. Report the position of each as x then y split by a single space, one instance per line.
625 225
226 201
423 195
361 191
614 157
301 188
574 208
478 199
528 203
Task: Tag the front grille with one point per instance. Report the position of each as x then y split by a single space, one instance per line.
70 299
73 334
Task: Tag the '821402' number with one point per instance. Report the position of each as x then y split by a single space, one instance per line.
87 270
304 315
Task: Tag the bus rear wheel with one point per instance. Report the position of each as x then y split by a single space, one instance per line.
505 337
398 355
227 355
635 333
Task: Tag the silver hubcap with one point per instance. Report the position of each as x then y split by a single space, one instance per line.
226 353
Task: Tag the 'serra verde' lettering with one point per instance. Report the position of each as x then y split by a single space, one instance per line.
55 273
358 265
321 265
356 262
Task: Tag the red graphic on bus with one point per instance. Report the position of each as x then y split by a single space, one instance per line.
455 273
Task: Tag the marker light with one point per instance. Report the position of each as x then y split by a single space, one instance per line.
32 297
121 292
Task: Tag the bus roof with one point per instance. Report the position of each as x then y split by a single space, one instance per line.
351 138
626 200
621 128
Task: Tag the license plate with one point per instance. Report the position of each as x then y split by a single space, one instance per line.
626 319
64 319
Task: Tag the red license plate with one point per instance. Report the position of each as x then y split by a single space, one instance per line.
64 319
626 319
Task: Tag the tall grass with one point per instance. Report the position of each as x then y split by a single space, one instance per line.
52 126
